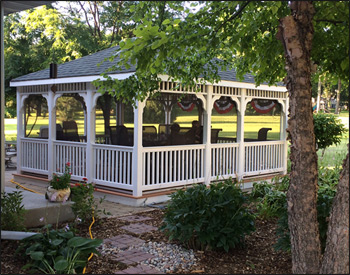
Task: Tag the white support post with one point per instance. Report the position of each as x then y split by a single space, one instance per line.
90 131
208 106
51 104
20 133
240 135
285 125
137 150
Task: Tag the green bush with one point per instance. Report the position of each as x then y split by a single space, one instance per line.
57 251
209 218
85 206
270 197
260 189
12 211
328 130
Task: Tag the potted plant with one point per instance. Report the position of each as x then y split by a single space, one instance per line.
59 187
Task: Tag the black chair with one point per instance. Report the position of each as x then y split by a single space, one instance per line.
119 135
262 134
70 131
215 135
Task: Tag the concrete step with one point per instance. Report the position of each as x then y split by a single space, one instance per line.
38 207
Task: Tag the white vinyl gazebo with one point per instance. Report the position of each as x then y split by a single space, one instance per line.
142 168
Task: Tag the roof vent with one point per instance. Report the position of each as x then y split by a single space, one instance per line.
53 70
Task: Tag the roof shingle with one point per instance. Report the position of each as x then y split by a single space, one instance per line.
88 66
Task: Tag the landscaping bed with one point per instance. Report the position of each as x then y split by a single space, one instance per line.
256 257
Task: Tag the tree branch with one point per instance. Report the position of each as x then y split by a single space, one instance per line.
235 15
335 22
86 17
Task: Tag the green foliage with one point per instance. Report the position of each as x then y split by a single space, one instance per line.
242 34
12 211
57 251
270 197
328 179
209 218
328 130
63 181
85 207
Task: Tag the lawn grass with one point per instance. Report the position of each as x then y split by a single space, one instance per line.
228 124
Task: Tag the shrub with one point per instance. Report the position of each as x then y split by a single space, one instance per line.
270 197
12 211
328 130
85 206
260 189
208 218
57 251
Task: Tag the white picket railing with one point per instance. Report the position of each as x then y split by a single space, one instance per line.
263 157
72 152
172 166
224 160
113 165
162 167
34 156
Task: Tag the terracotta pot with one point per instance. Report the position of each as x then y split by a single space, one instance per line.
59 195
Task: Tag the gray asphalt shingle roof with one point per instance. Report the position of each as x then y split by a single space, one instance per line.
87 66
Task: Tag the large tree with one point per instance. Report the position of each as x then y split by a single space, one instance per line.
242 34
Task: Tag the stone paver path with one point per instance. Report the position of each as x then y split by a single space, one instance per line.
139 228
140 269
131 253
133 256
135 218
123 241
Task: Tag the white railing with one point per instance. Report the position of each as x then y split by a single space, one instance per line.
72 152
224 160
263 157
34 155
113 165
172 166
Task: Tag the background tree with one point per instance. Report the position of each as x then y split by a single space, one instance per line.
59 33
243 35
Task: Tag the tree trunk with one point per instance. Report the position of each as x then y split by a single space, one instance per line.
336 256
296 32
105 104
338 97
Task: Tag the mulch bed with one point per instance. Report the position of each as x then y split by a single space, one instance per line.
256 257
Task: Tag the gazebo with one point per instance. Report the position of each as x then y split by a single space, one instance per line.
128 154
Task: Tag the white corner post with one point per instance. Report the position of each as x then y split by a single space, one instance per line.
240 135
285 125
20 128
137 150
51 98
90 100
207 106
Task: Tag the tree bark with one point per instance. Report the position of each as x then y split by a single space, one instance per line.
336 256
296 33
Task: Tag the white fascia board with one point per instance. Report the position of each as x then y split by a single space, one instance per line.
68 80
237 84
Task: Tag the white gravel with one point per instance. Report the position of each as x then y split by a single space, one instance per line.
168 257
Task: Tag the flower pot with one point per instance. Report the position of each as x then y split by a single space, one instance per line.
59 195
